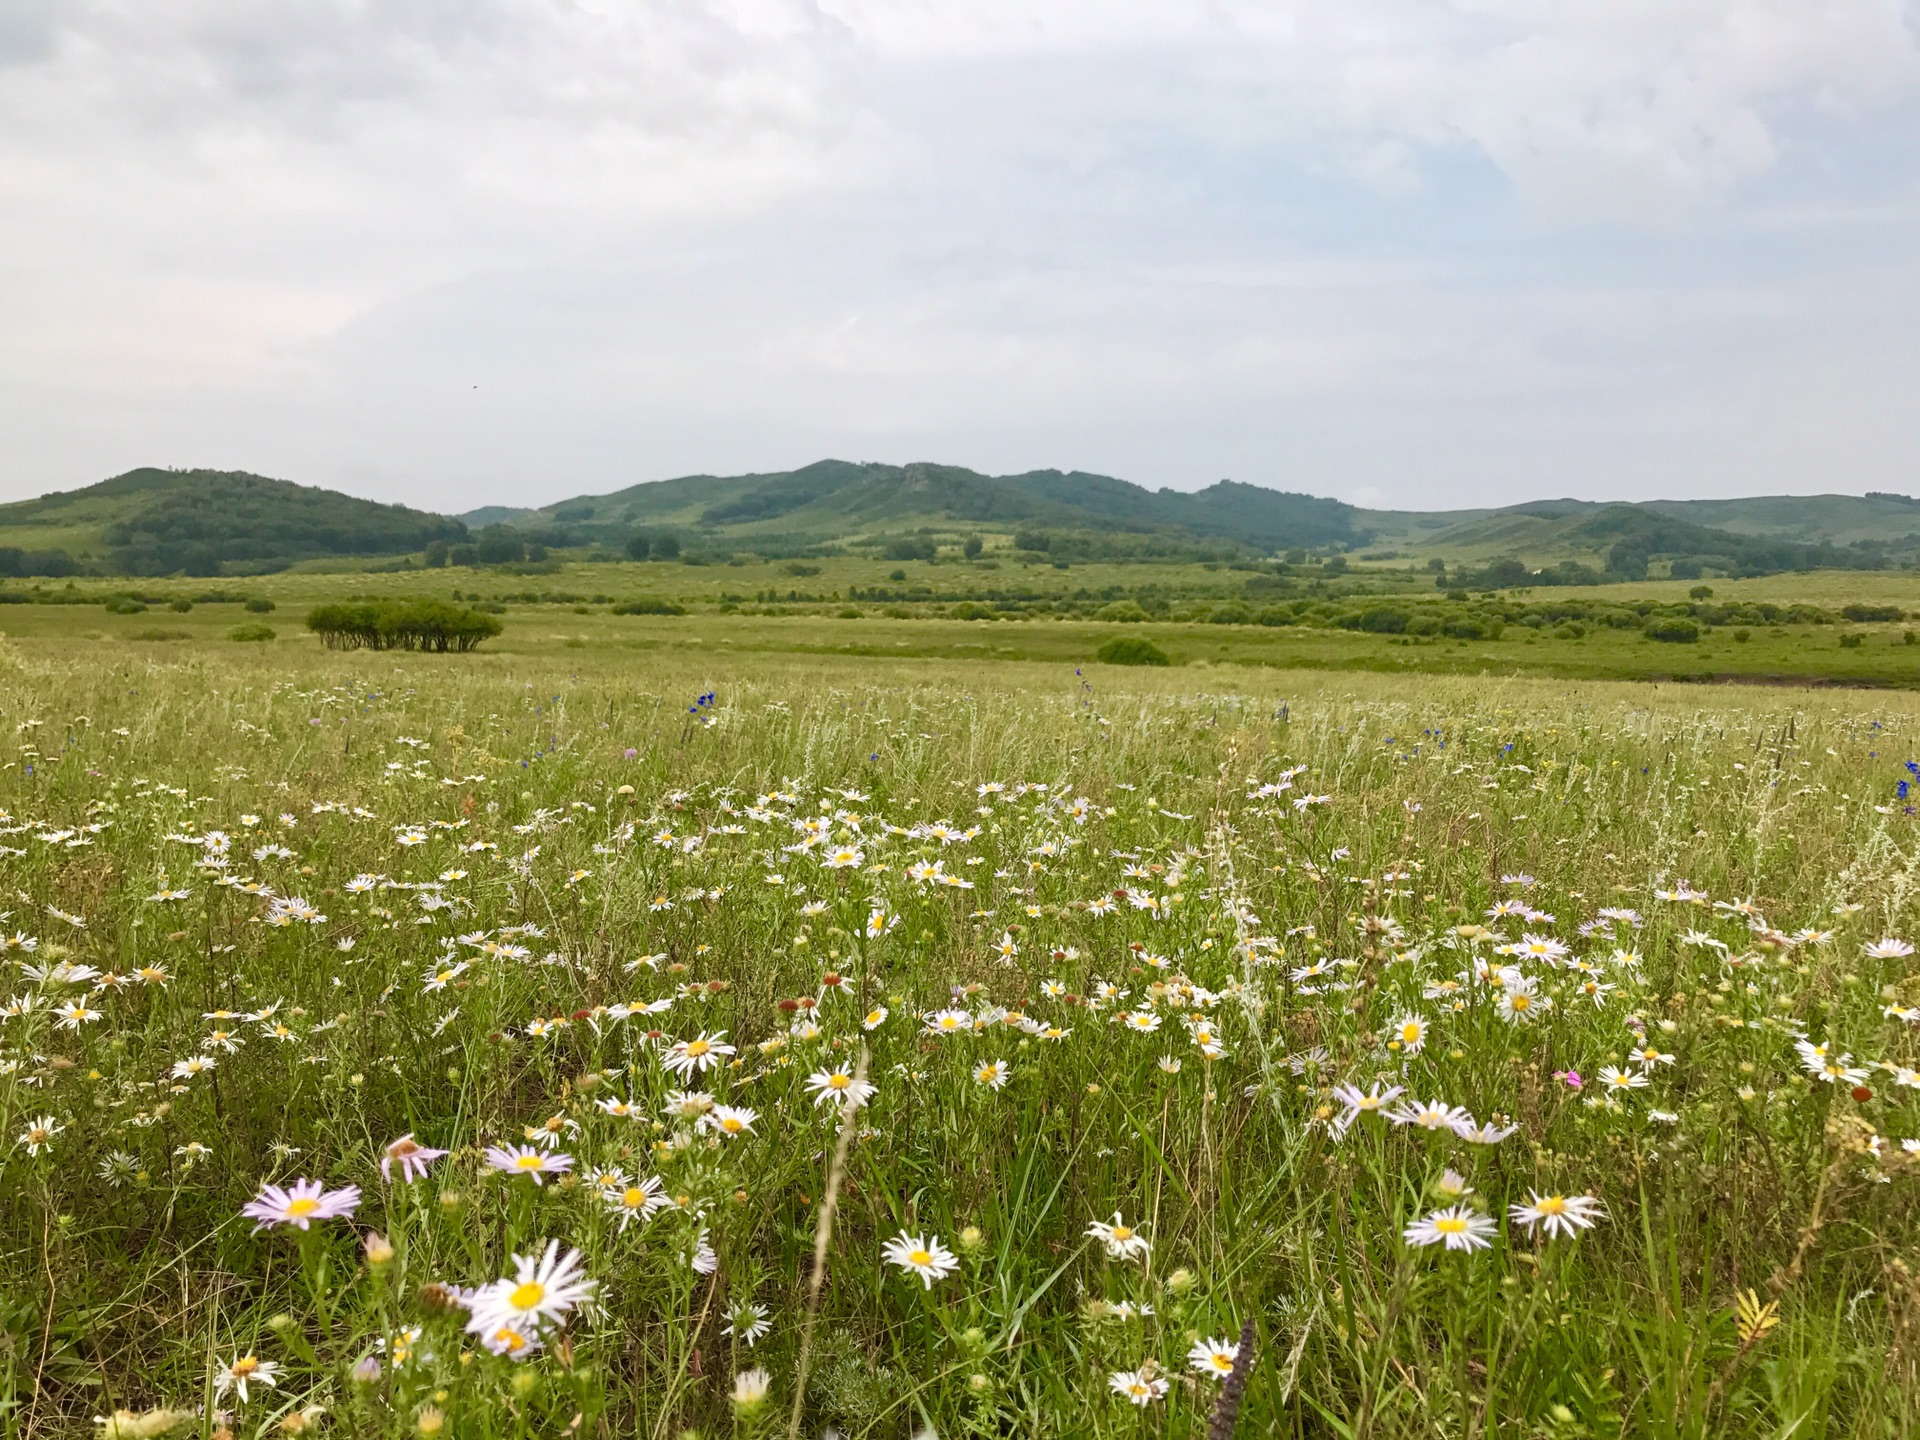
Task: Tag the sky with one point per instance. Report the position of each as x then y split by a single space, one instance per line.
1408 253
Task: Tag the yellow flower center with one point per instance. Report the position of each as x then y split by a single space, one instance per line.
305 1205
245 1365
510 1339
920 1257
1409 1033
1552 1205
697 1047
525 1297
1521 1002
1452 1225
528 1162
1122 1232
633 1197
1222 1362
839 1082
732 1125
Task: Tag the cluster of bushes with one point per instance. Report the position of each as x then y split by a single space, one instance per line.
649 606
401 625
654 545
1131 650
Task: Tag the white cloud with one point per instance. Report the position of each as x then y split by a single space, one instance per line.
1332 245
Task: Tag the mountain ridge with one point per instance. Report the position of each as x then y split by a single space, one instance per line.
157 521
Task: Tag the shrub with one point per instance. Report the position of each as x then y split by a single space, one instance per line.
1672 631
125 605
158 635
970 610
1384 620
1233 614
649 606
1869 614
1852 642
848 613
260 605
1127 612
401 625
897 612
1131 650
180 607
250 634
1276 615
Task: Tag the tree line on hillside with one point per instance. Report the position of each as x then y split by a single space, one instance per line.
159 522
1640 537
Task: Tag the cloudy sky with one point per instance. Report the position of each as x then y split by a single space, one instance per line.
1419 253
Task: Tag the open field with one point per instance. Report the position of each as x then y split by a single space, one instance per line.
1039 613
624 904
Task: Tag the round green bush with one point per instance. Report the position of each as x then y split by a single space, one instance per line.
260 605
1672 632
1131 650
250 633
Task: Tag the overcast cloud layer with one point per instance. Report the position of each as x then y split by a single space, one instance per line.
1417 254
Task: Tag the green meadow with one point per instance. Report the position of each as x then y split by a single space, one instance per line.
770 1020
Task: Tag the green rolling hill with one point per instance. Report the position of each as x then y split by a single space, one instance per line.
207 522
834 502
203 522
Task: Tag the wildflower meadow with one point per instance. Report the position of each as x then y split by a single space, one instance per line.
414 1045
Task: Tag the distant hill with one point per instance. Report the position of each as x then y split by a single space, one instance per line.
1761 535
838 501
203 522
150 522
492 515
1834 519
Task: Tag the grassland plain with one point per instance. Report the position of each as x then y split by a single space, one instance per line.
996 611
1518 1056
